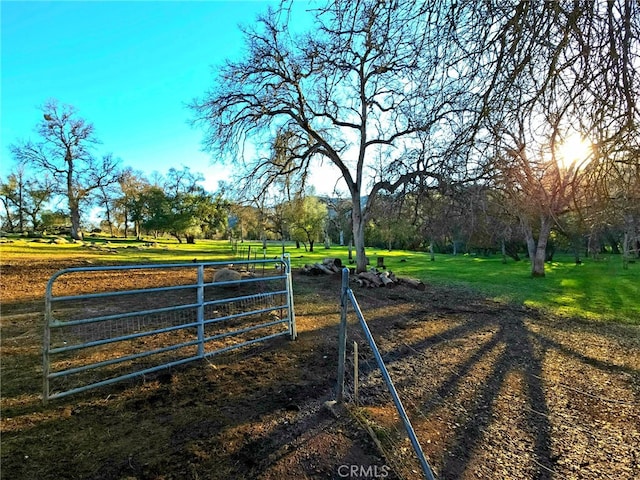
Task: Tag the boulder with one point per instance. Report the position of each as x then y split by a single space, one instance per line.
226 275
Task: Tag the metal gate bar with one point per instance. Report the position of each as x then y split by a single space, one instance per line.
347 297
280 299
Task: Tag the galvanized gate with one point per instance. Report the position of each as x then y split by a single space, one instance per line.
121 322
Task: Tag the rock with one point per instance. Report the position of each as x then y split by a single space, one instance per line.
226 275
332 407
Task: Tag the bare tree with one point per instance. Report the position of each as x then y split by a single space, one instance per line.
371 90
430 93
614 200
557 70
106 196
64 151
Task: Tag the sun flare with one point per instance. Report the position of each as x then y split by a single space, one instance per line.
575 150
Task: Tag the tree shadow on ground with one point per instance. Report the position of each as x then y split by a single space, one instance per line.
518 354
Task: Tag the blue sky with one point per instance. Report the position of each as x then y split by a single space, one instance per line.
128 67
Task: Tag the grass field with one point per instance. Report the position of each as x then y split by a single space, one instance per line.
596 290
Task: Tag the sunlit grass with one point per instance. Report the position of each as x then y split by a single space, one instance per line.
107 250
596 290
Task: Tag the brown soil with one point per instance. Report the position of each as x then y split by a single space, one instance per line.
493 390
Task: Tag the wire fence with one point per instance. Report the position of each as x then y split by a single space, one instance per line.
490 406
349 300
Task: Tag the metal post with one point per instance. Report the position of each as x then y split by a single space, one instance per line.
292 315
426 469
200 301
356 380
46 344
342 336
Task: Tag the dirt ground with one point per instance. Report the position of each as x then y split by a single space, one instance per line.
493 391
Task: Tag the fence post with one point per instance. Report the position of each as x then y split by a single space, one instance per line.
292 316
342 337
426 469
356 371
200 301
47 342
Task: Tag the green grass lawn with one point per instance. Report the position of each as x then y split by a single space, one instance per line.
596 290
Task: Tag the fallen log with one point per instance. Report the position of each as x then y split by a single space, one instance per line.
385 277
372 278
312 270
329 266
417 284
332 263
325 268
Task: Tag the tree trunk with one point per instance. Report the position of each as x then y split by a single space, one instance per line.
74 202
109 222
21 207
357 217
540 251
76 233
625 251
126 223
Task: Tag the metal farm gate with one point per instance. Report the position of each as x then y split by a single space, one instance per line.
107 324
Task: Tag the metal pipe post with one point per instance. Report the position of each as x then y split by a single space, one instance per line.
426 469
342 336
200 302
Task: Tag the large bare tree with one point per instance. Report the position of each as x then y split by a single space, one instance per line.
64 150
375 89
558 70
